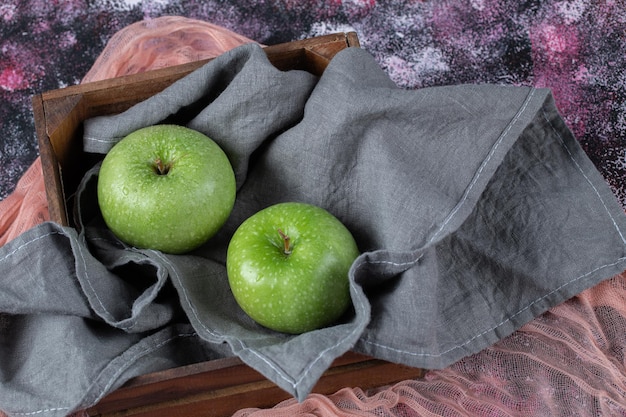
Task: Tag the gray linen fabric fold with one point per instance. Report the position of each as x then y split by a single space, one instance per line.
474 207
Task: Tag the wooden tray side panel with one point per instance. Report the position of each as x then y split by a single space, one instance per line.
193 379
49 165
261 393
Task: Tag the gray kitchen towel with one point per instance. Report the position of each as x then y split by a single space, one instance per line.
474 207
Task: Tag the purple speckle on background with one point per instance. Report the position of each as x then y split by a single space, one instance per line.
577 48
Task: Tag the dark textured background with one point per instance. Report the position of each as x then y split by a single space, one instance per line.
575 47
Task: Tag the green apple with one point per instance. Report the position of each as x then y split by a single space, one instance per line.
166 187
288 266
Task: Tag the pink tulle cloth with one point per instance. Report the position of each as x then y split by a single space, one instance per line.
569 361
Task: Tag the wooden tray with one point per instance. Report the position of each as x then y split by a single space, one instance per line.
214 388
221 387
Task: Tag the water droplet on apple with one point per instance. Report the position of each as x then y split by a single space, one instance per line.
125 190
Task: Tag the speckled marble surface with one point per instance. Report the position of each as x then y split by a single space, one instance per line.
575 47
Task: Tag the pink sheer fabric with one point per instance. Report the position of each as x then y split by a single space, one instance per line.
26 206
161 42
569 361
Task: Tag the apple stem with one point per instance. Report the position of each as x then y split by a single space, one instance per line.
286 241
160 167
